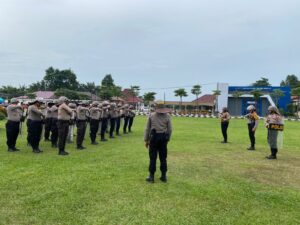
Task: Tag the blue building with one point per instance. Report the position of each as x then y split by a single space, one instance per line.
238 106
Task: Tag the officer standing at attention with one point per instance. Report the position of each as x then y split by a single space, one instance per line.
95 113
157 135
36 125
252 125
113 117
131 115
64 117
104 119
14 114
81 123
48 121
126 118
118 119
54 128
70 136
225 118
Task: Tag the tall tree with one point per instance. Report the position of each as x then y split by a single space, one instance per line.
56 79
263 82
180 93
296 92
196 90
108 89
291 80
256 95
217 93
277 94
236 95
149 97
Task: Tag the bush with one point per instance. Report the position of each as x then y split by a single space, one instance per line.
2 116
3 110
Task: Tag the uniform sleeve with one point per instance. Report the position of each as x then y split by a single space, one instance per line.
67 109
170 127
148 130
36 111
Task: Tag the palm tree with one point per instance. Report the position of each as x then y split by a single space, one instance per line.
216 93
180 93
276 94
196 90
296 92
149 97
237 95
256 95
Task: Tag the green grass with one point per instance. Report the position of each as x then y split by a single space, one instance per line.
209 183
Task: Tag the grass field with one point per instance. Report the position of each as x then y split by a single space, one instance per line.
209 183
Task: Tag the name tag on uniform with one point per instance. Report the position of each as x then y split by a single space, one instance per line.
278 127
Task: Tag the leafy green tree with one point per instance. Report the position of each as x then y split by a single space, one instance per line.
108 89
277 94
57 79
296 92
291 80
149 97
196 90
10 91
263 82
256 95
216 93
70 94
180 93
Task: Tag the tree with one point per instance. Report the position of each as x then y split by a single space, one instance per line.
217 93
149 97
180 93
276 94
134 91
108 89
263 82
10 91
70 94
256 95
296 92
196 90
57 79
291 80
237 95
90 87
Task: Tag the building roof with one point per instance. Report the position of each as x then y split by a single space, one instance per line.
207 100
130 98
45 94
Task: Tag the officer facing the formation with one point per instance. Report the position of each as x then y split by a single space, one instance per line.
157 135
104 119
48 121
225 118
54 128
274 124
36 125
131 115
95 113
252 125
14 114
64 117
81 123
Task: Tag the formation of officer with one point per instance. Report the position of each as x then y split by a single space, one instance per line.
56 122
157 135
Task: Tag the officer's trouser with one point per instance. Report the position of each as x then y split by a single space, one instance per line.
112 126
28 131
126 121
12 132
118 125
94 126
251 134
54 132
103 128
81 128
63 130
130 123
35 128
224 127
48 124
158 146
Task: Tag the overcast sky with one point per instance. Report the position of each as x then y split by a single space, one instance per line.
151 43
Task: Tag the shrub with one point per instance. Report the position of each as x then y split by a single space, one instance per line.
2 116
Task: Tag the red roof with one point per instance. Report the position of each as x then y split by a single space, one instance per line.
206 100
129 97
44 94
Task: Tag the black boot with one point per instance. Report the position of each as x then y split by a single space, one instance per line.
80 147
63 153
252 148
95 143
273 155
10 150
163 178
150 179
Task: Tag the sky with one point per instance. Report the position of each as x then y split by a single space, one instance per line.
156 44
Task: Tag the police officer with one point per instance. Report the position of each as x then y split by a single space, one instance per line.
70 136
225 118
54 128
131 115
113 117
48 121
81 123
126 118
157 135
14 113
104 119
252 125
118 119
95 113
36 125
64 117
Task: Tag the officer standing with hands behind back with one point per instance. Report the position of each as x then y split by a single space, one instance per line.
157 135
